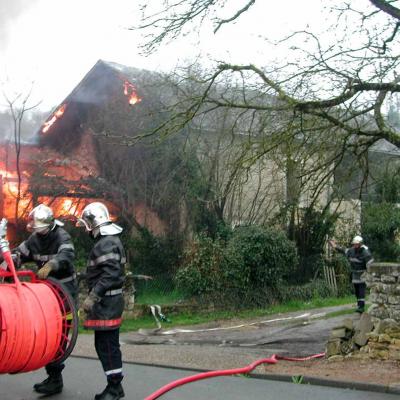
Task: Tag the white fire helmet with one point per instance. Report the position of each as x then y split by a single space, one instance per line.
357 240
96 218
41 220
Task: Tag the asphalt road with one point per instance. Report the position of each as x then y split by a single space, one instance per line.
83 378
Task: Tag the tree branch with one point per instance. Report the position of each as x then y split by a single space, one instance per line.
386 7
235 16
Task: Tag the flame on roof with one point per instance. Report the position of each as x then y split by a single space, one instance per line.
54 117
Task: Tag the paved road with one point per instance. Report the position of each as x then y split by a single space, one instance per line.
83 378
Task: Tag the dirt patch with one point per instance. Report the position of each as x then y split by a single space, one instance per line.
380 372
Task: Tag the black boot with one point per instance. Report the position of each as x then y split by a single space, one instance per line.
52 385
113 391
360 307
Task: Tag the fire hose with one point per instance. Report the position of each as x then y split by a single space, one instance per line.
236 371
38 319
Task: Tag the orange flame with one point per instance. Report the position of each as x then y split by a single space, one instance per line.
57 115
69 207
130 92
9 194
63 206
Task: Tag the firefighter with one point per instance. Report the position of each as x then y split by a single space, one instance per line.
105 303
51 248
359 257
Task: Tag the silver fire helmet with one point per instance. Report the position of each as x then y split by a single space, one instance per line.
357 240
41 219
95 217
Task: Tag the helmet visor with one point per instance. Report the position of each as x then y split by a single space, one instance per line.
83 224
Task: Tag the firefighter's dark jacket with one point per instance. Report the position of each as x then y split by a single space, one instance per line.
358 258
56 246
105 277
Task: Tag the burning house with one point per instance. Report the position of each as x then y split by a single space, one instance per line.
72 162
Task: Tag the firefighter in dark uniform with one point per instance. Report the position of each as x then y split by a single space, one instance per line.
51 248
105 303
359 256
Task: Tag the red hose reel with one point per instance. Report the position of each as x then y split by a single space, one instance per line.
38 319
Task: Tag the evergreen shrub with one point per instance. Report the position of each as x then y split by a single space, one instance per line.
267 256
202 268
380 226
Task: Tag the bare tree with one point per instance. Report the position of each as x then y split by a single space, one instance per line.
18 106
345 84
243 155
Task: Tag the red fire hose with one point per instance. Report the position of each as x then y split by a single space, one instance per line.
212 374
38 322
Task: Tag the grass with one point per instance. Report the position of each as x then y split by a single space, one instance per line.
298 379
199 318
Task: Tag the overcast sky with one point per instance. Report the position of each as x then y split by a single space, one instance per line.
54 43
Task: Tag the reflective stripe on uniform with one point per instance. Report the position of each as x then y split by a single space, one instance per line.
69 279
113 371
66 246
102 323
106 257
113 292
24 249
45 257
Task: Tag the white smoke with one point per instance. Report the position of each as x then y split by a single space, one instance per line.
10 10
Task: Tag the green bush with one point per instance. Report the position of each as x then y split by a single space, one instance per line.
152 255
247 270
380 223
265 255
202 268
310 233
388 186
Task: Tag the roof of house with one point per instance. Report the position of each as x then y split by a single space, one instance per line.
99 84
383 146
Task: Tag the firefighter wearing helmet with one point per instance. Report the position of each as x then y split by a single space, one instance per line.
105 303
359 257
51 248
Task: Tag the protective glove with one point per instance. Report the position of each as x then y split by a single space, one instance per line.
44 272
90 301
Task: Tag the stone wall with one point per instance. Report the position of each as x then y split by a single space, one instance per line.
383 281
383 342
376 334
